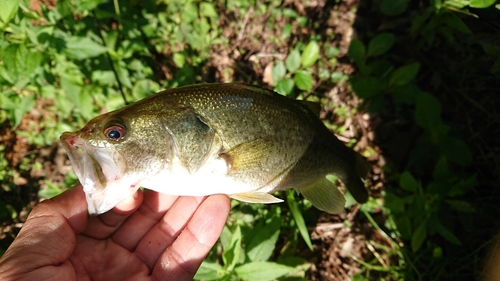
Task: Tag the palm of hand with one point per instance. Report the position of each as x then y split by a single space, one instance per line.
150 237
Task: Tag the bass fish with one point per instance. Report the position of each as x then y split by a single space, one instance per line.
235 139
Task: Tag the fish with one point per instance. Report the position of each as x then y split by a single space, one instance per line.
214 138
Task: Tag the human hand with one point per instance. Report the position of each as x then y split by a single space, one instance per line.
151 236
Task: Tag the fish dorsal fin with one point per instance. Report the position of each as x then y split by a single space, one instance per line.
247 156
324 195
256 197
313 106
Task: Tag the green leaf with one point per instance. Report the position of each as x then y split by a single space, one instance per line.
456 151
481 3
366 87
310 54
262 245
262 271
404 226
293 61
404 74
80 48
86 5
357 52
304 80
297 217
231 254
285 86
209 271
8 9
179 59
418 237
393 7
208 10
279 71
428 111
444 232
408 182
380 44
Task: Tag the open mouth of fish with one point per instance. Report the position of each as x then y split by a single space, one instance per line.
99 172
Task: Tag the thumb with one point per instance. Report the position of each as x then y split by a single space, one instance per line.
48 236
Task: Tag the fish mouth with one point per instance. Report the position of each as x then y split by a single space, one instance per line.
100 171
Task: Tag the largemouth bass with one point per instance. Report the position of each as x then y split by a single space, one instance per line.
234 139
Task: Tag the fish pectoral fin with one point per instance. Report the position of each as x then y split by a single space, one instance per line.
256 197
248 155
324 195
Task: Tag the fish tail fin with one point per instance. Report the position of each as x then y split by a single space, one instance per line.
354 181
324 195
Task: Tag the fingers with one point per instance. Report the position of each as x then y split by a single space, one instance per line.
103 226
181 260
50 230
163 234
152 210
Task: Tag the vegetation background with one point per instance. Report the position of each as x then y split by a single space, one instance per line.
412 85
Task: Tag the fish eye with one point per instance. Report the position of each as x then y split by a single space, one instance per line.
115 132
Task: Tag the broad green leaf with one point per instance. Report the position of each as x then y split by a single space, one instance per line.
393 7
461 206
481 3
332 52
209 271
80 48
293 61
404 226
179 59
261 247
190 12
285 86
231 254
279 71
310 54
404 74
103 77
208 10
86 5
443 231
418 237
25 105
366 87
357 52
380 44
338 76
8 9
303 80
262 271
408 182
456 151
427 111
456 23
297 217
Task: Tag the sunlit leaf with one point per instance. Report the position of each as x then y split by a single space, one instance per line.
8 9
261 247
297 216
481 3
231 255
304 80
80 48
285 86
262 271
293 61
310 54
